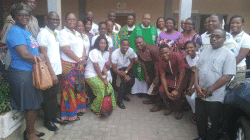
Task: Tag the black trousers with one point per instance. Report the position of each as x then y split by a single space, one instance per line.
248 66
125 87
205 109
50 106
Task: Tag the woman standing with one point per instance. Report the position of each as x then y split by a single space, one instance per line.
190 35
81 29
23 49
73 56
170 34
160 25
126 30
87 28
96 77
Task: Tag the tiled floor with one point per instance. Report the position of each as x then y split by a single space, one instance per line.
135 122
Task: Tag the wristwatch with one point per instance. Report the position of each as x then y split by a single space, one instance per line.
126 71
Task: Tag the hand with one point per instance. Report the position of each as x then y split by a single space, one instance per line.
127 78
175 94
55 80
156 81
136 60
42 57
122 73
169 95
147 79
105 81
108 65
80 66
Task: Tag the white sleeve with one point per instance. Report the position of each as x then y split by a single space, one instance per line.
110 42
114 58
132 53
42 39
63 38
246 42
92 56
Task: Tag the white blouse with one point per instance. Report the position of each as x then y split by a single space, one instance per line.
86 43
95 56
72 39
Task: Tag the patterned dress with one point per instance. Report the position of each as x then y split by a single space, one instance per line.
195 38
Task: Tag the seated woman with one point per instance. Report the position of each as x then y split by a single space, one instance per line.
122 62
96 78
73 56
191 61
23 49
173 82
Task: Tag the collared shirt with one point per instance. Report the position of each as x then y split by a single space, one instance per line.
123 60
116 28
48 38
86 43
109 39
212 65
95 56
73 40
229 43
132 28
94 29
243 41
145 27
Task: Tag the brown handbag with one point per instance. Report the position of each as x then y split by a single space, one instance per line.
41 76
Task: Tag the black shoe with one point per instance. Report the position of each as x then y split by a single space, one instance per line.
199 138
80 114
39 135
126 98
77 119
59 121
121 105
50 126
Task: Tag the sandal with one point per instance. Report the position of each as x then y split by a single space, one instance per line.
147 102
193 120
178 115
168 111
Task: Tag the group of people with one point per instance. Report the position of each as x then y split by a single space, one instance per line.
181 67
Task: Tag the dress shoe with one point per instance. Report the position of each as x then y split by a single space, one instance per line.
25 136
155 109
121 105
59 121
80 114
148 102
126 99
50 126
77 119
39 135
199 138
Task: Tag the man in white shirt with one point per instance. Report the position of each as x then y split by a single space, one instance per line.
122 62
49 47
215 22
112 17
94 29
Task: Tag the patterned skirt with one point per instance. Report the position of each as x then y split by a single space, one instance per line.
98 89
71 102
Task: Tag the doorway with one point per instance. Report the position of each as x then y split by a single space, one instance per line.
121 18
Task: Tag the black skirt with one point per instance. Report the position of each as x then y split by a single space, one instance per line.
24 96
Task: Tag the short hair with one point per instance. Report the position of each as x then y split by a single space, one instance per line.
132 16
157 21
101 24
124 40
68 15
139 37
220 17
86 20
172 20
108 21
189 42
52 12
164 46
96 44
237 16
111 12
223 31
18 7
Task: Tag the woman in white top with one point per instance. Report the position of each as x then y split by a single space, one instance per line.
191 61
160 24
96 78
80 28
73 56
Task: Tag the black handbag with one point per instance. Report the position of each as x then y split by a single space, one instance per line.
78 82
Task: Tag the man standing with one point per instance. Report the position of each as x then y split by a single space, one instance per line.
112 17
149 34
126 30
215 68
32 27
94 29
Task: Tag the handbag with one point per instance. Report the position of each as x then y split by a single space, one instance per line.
42 79
107 107
78 82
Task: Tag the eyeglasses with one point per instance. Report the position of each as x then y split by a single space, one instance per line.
54 19
23 16
72 19
216 37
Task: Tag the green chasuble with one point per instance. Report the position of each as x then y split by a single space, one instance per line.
150 35
123 34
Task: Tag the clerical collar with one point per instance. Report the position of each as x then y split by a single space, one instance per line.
132 28
145 27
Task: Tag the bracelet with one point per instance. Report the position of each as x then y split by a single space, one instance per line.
104 76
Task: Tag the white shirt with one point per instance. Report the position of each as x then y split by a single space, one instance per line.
132 28
122 60
95 56
109 39
119 27
159 31
68 38
86 43
229 43
47 38
243 41
145 27
94 29
192 62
